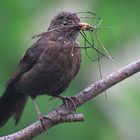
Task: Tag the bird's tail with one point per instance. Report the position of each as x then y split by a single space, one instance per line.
12 104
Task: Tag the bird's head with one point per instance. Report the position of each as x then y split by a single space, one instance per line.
67 25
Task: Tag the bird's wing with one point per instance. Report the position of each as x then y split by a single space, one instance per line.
28 61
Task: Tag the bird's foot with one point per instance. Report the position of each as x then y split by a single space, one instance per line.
69 102
42 118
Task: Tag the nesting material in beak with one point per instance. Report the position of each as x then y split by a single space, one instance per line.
84 26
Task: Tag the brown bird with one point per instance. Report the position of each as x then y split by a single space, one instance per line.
47 67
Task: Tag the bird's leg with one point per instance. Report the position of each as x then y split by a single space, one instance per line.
66 101
41 117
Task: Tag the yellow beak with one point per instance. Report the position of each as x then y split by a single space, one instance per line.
84 26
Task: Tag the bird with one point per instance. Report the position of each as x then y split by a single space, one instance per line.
47 68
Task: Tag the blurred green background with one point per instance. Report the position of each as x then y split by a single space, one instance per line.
119 118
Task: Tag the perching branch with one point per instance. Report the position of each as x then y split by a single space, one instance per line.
63 114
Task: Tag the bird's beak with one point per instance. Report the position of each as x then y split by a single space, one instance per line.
84 26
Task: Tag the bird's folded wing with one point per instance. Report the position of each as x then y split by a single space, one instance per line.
28 61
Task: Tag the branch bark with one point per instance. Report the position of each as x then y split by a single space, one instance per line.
63 113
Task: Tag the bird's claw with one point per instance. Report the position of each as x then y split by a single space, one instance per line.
69 102
42 118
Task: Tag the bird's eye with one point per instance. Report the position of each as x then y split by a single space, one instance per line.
65 23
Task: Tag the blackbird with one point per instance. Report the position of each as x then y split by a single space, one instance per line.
47 67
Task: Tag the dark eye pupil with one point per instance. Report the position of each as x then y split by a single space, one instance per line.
65 23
